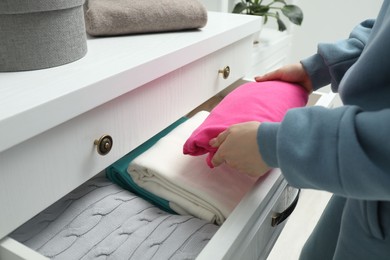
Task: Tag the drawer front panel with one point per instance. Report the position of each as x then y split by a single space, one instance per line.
51 164
263 235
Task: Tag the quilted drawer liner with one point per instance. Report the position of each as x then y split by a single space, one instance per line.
100 219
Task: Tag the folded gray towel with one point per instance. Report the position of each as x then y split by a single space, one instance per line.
119 17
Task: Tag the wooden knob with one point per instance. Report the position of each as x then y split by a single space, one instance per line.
104 144
225 72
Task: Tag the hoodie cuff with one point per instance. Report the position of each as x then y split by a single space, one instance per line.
266 140
318 71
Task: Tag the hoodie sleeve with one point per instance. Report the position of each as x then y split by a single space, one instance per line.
346 152
331 61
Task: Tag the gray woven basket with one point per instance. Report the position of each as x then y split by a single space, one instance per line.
37 34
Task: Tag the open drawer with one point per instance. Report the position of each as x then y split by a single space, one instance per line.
248 233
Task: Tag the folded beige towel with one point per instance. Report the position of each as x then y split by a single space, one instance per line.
119 17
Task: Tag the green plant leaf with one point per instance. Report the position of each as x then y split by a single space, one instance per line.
265 19
281 26
259 10
239 8
293 13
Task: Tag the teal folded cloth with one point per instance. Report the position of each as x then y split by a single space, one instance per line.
117 172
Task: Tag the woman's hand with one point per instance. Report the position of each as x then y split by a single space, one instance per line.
238 148
294 73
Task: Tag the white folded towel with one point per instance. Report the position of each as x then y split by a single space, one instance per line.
187 182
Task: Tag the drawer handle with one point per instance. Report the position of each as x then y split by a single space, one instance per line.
225 72
278 218
104 144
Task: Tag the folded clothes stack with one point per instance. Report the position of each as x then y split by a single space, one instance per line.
159 170
120 17
182 183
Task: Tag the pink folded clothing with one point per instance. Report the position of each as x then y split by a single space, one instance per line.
255 101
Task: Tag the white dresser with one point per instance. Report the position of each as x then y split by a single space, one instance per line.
129 87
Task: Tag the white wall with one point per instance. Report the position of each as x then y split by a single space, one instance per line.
219 5
328 21
324 21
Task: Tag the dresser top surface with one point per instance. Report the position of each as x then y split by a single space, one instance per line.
32 102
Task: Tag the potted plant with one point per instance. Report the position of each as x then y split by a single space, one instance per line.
272 9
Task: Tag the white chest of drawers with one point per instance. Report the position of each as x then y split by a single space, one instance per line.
131 88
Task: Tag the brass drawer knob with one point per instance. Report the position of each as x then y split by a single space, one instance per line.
104 144
225 72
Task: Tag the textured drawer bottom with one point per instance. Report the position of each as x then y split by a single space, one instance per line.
100 219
